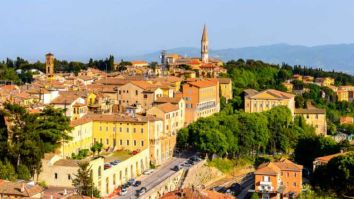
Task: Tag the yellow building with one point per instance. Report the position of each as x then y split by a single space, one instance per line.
81 138
345 93
225 88
173 120
289 86
314 117
265 100
325 81
59 172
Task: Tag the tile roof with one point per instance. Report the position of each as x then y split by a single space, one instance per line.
172 100
19 189
202 83
65 99
224 80
273 168
275 93
309 111
167 107
188 193
327 158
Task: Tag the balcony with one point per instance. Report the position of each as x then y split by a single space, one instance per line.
265 188
266 183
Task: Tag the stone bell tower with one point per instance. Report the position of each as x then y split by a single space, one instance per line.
49 65
204 46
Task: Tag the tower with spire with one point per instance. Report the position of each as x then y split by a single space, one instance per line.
204 46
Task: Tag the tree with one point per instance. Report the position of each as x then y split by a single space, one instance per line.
83 181
23 172
96 147
255 195
32 135
7 171
310 147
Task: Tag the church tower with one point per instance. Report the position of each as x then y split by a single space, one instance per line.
49 65
204 46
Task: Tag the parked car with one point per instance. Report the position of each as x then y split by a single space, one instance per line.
176 168
107 166
123 192
235 188
131 181
141 191
217 188
148 172
137 183
135 152
113 163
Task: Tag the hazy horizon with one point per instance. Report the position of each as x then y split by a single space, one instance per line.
76 30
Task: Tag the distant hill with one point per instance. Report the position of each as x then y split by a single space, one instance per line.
339 57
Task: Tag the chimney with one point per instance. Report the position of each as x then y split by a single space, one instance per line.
22 187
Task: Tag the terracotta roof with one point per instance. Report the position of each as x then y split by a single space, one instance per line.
203 83
167 107
8 188
145 85
65 99
188 193
273 168
172 100
77 104
118 118
346 120
224 80
139 62
309 111
85 78
327 158
275 93
67 163
80 121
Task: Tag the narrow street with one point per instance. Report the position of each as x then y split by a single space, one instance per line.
150 181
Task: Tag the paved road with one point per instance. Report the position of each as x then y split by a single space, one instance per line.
154 179
246 185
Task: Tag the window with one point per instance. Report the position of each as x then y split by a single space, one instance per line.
55 176
121 142
127 130
107 141
69 177
316 116
145 96
100 128
294 184
134 130
141 130
120 129
99 171
142 142
136 92
114 179
266 178
127 142
134 142
294 174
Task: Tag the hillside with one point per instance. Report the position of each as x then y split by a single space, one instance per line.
339 57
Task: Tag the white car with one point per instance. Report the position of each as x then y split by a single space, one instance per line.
148 172
123 192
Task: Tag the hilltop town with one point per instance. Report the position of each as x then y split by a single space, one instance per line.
149 130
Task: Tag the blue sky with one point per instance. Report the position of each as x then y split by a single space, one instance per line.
79 29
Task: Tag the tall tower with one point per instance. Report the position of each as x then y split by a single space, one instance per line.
49 65
204 46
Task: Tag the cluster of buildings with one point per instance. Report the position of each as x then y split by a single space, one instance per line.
344 93
135 116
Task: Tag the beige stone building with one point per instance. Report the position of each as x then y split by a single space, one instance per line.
265 100
225 88
138 92
314 117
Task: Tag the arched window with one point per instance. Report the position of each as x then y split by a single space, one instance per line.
99 172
